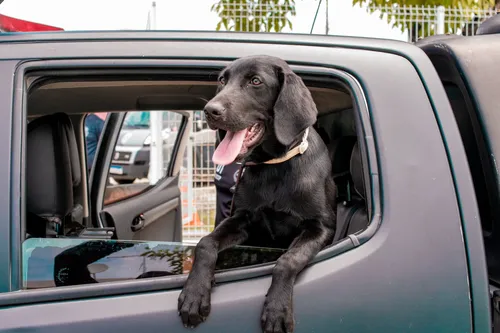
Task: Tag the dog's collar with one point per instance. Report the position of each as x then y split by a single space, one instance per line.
300 149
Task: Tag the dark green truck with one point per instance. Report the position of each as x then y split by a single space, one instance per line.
414 129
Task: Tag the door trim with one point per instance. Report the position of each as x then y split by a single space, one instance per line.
155 213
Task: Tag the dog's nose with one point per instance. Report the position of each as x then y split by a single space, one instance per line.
214 110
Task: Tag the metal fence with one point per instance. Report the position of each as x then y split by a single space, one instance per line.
197 181
423 21
256 16
197 175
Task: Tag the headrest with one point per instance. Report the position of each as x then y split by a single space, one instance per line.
489 26
340 155
357 171
49 179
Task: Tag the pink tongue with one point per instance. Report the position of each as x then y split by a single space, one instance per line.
229 148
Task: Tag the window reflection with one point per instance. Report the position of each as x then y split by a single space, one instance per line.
65 262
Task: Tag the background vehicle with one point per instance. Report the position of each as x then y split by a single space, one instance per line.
415 162
132 153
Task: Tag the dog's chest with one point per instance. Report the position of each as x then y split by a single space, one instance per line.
281 190
269 228
264 194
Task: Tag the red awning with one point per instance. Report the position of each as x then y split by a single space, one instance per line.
10 24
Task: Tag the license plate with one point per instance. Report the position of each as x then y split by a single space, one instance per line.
116 170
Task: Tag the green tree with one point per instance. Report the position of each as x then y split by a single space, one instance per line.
254 15
464 14
175 257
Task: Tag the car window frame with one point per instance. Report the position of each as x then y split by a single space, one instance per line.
368 153
13 126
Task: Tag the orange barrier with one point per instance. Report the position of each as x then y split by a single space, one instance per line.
195 220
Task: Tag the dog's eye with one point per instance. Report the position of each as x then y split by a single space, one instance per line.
222 81
255 81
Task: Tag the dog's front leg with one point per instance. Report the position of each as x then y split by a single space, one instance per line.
194 300
277 315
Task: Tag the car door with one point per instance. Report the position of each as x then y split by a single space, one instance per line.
136 184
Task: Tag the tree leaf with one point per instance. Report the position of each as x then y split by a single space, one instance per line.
254 15
421 21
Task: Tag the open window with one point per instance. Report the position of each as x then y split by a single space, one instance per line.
125 215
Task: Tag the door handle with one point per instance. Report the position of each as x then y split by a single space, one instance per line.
138 223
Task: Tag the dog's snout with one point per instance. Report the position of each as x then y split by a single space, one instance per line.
214 110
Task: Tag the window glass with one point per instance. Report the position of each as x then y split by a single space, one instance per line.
66 262
137 162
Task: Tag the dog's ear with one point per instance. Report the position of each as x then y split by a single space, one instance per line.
294 109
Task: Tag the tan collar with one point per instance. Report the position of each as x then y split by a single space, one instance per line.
300 149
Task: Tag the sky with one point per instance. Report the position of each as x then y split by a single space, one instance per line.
344 19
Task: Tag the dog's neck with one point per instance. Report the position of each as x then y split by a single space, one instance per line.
296 150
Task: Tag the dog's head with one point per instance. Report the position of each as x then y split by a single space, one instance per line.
259 99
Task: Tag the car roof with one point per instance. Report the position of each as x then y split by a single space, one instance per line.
17 42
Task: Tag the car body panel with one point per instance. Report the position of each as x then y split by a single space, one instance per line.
8 203
473 60
412 275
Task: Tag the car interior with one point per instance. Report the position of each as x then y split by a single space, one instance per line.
57 190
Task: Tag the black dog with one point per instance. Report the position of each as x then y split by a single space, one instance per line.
286 197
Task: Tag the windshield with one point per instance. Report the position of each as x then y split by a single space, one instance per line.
136 120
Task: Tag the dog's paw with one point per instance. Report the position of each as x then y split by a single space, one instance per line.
194 304
277 317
